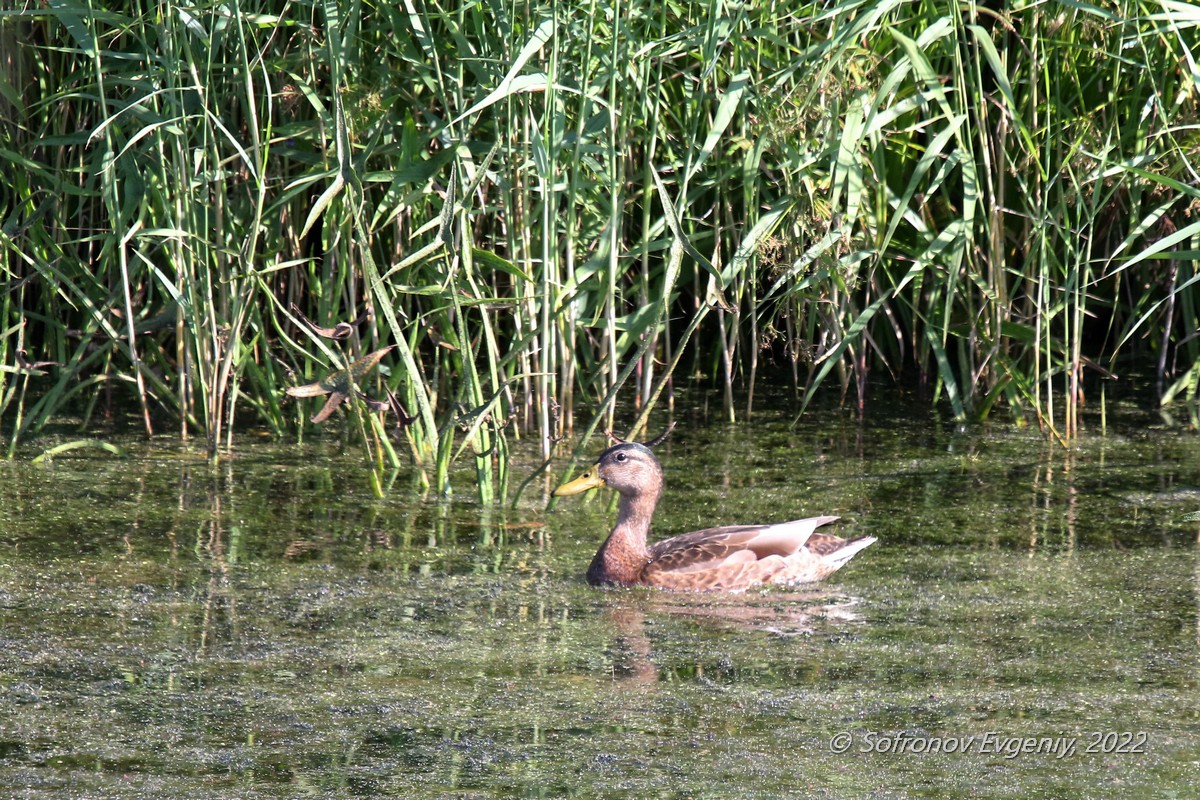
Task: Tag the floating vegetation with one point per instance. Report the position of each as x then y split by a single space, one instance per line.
283 632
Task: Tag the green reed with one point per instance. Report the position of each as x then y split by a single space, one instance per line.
552 209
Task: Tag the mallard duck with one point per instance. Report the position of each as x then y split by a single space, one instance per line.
728 559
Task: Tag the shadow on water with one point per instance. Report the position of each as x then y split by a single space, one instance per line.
268 629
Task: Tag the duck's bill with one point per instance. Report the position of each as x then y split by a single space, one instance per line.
588 480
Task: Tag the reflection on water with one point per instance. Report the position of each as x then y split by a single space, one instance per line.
266 628
792 613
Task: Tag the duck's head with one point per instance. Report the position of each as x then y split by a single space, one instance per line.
630 468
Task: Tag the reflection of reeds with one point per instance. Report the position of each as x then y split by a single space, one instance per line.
540 210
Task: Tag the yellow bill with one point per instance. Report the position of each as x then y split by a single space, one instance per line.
588 480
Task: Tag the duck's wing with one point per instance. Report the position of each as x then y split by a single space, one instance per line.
728 558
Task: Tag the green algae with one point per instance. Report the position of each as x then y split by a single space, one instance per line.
267 628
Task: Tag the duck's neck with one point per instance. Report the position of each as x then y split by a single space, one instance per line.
623 555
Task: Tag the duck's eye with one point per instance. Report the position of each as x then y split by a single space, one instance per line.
621 458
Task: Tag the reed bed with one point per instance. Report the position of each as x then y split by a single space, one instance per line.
544 208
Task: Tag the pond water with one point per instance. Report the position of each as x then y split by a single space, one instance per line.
1028 625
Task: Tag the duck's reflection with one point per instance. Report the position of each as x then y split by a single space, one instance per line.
774 613
631 661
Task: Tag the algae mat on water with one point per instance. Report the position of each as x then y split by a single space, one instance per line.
1027 626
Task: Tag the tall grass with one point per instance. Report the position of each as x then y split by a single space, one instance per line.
547 208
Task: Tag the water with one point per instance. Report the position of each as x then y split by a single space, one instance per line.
267 629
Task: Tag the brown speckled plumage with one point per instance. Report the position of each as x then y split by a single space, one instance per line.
726 559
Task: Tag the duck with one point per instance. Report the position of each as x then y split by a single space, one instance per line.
731 558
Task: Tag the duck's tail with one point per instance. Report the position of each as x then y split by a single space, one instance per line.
837 559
